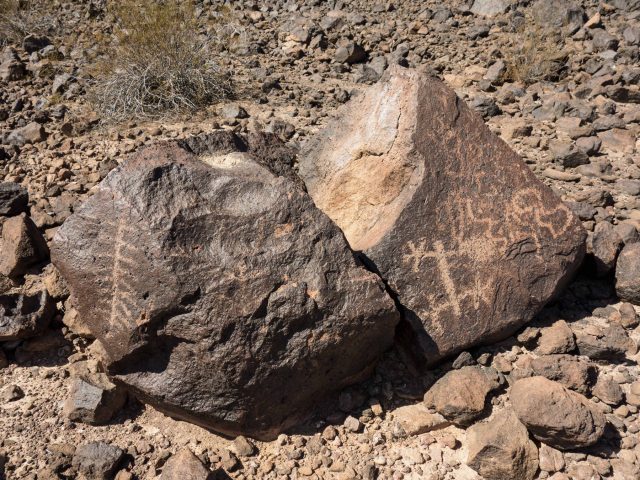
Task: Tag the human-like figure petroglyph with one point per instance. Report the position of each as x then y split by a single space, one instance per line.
479 238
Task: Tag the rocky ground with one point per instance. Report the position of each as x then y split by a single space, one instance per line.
293 64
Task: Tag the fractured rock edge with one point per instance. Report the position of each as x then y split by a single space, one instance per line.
372 180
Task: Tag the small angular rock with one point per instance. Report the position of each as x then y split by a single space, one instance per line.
500 449
14 199
97 460
628 274
461 395
602 342
94 403
558 338
24 315
417 419
571 371
21 246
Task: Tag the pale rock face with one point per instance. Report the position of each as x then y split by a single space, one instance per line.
472 244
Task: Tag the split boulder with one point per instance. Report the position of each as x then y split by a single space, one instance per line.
21 246
462 231
213 260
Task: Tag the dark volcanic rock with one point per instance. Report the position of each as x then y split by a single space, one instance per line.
602 342
179 260
24 316
94 402
471 242
13 199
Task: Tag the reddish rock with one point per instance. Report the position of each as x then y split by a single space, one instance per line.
556 415
185 465
501 449
461 395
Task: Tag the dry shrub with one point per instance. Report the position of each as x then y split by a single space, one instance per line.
158 65
537 55
19 18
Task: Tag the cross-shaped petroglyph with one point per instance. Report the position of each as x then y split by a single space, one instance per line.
417 253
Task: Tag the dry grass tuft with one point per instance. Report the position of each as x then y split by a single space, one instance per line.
537 55
19 18
158 65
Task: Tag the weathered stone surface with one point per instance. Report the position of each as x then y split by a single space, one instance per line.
185 465
602 342
556 415
628 274
13 199
94 402
461 395
607 390
72 319
97 460
604 245
350 53
21 246
557 338
555 14
24 316
215 261
31 133
501 449
572 372
489 8
472 243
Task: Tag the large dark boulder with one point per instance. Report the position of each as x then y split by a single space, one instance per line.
470 241
220 293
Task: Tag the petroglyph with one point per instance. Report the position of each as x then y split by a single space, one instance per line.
478 291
